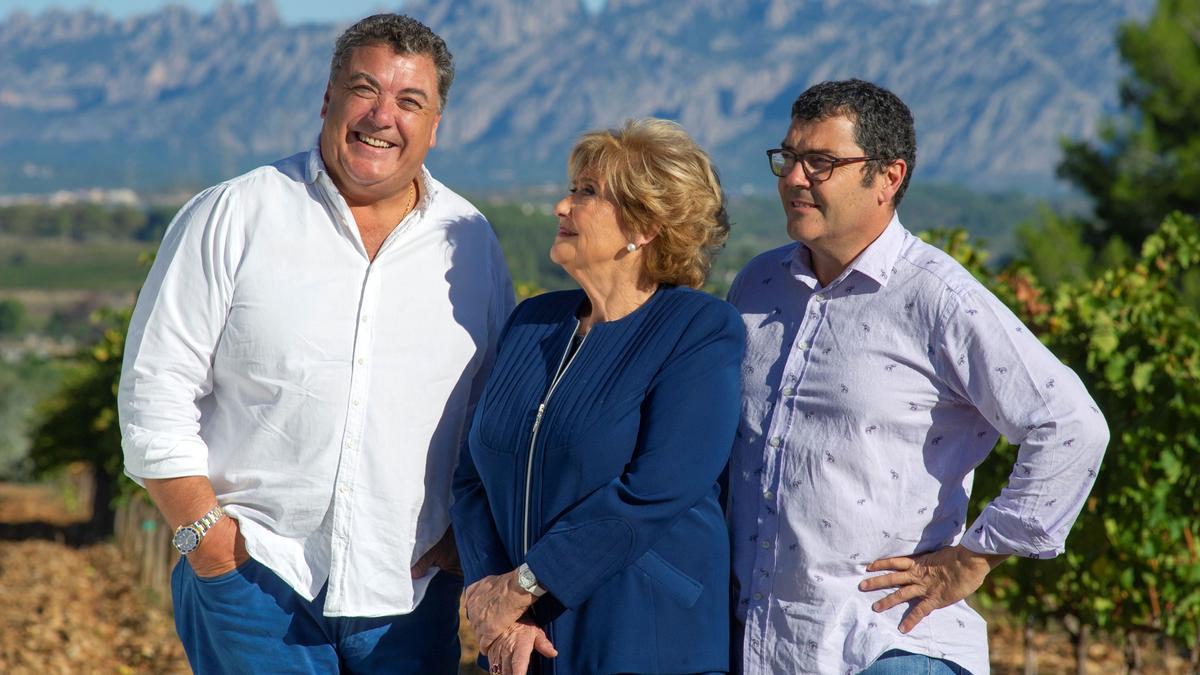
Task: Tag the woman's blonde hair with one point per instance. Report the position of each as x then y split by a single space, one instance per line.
664 186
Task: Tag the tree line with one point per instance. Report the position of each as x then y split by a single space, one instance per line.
86 221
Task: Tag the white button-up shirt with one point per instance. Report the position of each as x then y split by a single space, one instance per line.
323 394
867 404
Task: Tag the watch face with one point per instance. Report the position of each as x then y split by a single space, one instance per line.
186 540
526 579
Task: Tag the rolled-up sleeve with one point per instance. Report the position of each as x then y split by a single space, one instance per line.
176 324
1038 403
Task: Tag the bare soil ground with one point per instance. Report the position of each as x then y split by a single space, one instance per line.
74 609
1055 653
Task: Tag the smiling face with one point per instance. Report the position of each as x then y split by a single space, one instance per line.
590 241
381 114
839 214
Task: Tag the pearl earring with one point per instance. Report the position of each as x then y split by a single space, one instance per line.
631 247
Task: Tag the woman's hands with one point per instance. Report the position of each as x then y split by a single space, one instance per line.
511 652
494 604
496 608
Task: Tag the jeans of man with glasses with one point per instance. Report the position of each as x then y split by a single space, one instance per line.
898 662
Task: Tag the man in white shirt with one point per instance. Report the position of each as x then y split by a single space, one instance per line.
299 370
878 374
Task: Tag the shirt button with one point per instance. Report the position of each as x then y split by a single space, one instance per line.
802 346
766 543
758 596
819 298
775 442
361 361
788 391
768 495
342 489
364 318
354 403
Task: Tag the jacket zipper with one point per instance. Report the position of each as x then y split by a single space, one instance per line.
537 422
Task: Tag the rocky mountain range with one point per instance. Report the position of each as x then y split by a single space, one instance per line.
177 97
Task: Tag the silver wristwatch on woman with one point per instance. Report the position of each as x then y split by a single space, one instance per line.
527 581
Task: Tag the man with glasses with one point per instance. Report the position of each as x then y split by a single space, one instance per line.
299 370
878 374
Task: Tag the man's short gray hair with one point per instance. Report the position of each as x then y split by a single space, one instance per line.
405 35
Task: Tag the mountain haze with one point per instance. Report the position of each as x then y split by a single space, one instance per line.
180 97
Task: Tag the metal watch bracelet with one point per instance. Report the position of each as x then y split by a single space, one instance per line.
188 537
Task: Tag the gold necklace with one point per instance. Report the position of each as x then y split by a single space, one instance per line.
411 203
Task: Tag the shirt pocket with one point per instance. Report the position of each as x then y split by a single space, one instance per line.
681 587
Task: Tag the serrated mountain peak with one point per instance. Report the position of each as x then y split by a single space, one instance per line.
177 96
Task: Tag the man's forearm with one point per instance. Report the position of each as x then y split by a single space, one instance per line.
182 500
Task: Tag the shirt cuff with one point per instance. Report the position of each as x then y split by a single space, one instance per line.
153 456
998 531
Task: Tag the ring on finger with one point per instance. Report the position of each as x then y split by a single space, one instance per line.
496 669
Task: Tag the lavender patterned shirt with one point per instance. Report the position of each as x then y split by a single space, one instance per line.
866 406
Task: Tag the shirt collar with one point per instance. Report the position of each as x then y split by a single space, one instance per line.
798 260
314 166
876 261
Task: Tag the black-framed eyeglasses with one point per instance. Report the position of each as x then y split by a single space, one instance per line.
817 166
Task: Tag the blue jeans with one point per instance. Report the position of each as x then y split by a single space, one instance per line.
250 621
898 662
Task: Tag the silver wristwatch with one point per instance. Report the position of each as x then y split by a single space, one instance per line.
188 537
527 581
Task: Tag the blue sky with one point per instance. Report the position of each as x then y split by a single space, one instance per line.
291 10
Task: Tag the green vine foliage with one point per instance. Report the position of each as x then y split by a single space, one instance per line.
78 423
1132 561
1139 340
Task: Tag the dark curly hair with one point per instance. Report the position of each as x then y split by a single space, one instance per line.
405 35
883 125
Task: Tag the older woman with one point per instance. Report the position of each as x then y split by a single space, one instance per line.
586 501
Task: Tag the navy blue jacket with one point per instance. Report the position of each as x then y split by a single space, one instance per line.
614 501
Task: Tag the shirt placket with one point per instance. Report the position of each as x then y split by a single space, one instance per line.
352 438
782 418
